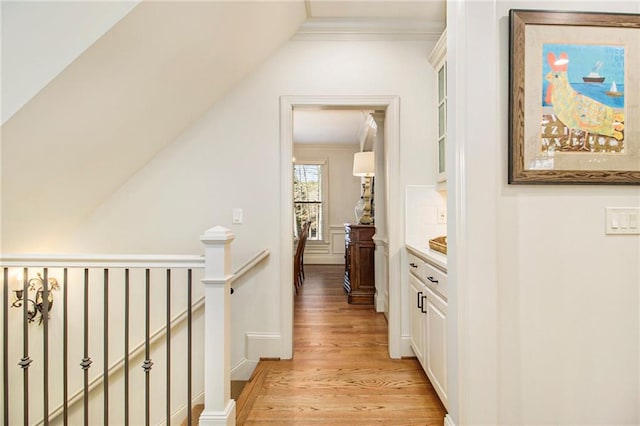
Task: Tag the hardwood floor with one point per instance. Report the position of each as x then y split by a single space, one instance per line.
340 372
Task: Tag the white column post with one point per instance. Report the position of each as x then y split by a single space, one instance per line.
381 298
219 408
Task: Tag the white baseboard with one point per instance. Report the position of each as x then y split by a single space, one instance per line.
243 369
381 302
448 421
405 346
179 415
262 345
258 345
219 418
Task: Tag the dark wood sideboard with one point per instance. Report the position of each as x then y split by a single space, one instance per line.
359 271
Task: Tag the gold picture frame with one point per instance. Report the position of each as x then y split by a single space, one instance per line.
574 98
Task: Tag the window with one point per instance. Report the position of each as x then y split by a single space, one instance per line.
308 202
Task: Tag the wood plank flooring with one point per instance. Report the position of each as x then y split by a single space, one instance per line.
340 372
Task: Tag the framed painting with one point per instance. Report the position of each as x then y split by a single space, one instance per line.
574 98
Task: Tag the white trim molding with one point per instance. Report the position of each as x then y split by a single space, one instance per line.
448 421
333 146
243 369
391 105
257 346
262 345
181 413
405 346
286 233
369 29
330 252
381 298
226 417
439 50
102 260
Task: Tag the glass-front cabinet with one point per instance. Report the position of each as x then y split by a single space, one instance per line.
438 60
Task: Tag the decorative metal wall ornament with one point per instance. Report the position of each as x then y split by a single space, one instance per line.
35 306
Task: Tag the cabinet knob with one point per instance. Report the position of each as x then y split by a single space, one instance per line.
422 307
433 280
420 299
413 265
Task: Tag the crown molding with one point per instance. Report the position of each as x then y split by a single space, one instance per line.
439 50
369 29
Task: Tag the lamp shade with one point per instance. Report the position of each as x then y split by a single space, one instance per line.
363 163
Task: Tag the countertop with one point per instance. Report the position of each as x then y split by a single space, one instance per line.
433 257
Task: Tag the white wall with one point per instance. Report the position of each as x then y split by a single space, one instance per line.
423 203
120 103
230 158
548 306
343 193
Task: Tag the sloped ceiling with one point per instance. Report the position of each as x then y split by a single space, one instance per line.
123 100
143 83
40 39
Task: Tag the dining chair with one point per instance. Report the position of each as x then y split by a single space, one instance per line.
298 260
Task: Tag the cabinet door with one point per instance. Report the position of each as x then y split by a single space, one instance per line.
438 59
363 277
416 316
442 121
436 343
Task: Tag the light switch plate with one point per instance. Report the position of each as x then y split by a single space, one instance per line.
237 215
622 220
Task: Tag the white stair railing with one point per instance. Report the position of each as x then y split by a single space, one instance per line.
83 318
217 279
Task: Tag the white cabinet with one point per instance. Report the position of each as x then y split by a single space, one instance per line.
435 345
438 60
416 316
428 320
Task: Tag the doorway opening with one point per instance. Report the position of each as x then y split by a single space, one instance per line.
387 213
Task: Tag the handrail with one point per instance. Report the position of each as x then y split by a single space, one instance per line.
102 260
250 264
125 261
120 261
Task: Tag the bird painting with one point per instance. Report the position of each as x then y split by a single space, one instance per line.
581 114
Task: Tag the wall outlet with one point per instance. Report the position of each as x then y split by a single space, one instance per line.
237 216
442 216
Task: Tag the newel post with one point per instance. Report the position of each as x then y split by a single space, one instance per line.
219 408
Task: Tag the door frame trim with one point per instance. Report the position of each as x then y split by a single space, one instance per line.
391 106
